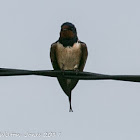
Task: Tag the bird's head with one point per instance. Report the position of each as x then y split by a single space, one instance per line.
68 31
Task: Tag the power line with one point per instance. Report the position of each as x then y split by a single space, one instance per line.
69 74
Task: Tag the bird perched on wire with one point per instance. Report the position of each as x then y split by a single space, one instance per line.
68 53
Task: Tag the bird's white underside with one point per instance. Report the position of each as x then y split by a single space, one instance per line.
68 58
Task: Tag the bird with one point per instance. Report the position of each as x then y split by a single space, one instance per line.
68 53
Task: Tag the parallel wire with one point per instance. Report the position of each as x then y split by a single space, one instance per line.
69 74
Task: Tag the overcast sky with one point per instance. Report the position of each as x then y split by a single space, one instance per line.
103 110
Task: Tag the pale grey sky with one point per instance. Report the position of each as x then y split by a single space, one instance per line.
103 110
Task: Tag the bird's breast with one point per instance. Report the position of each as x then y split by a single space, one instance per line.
68 58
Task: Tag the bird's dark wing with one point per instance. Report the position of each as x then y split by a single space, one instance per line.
53 57
81 65
83 57
62 81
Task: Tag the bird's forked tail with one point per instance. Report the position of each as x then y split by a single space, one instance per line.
70 102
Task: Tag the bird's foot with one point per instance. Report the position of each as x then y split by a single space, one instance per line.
76 70
63 72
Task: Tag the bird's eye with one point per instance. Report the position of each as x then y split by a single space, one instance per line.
64 29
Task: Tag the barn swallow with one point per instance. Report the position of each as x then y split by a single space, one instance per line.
68 53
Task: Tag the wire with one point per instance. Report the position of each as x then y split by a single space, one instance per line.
69 74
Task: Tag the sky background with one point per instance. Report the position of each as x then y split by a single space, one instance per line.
103 110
